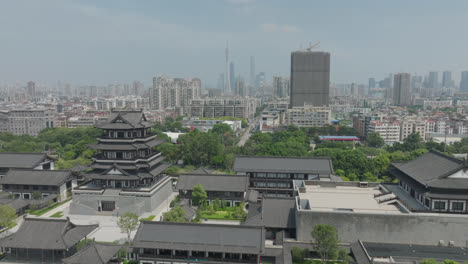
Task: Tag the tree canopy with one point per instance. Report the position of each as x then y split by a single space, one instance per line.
127 223
325 241
198 195
7 215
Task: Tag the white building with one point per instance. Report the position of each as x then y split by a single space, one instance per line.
26 121
309 116
408 127
173 92
389 132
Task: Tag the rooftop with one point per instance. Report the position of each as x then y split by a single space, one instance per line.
346 138
36 177
283 164
200 237
97 253
345 197
434 169
40 233
21 160
213 182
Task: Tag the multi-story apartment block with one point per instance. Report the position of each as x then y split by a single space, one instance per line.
214 108
408 127
440 126
280 86
173 92
309 116
26 121
389 132
437 104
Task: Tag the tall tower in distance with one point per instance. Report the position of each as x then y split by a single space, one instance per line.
228 80
32 91
447 79
310 78
232 76
252 71
401 89
464 81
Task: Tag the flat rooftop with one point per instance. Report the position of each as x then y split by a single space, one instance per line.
347 198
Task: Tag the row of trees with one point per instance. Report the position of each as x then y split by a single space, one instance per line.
70 145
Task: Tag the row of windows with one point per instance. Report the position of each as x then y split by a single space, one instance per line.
279 175
272 184
29 187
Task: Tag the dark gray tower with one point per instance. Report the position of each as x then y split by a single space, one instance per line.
310 78
401 89
464 81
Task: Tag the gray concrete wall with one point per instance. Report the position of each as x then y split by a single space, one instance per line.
424 229
138 203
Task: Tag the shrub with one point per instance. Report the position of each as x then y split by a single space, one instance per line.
299 254
36 195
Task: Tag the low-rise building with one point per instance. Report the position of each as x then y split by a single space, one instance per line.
36 161
437 181
44 240
228 188
172 243
274 176
309 116
23 183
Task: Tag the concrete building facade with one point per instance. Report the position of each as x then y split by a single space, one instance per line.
401 89
310 78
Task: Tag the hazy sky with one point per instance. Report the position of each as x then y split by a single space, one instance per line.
120 41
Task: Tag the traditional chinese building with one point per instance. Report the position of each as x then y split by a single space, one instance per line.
127 172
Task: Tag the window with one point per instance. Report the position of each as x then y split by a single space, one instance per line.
439 205
457 206
26 196
261 175
6 186
26 187
35 187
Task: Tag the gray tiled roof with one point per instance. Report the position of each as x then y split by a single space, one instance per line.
200 237
283 164
415 252
432 168
21 160
131 119
36 177
273 212
40 233
94 253
213 182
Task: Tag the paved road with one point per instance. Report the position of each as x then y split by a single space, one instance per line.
252 125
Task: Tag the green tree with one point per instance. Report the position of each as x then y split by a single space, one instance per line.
428 261
221 129
7 215
239 211
36 195
448 261
374 140
298 254
325 241
176 214
169 151
343 256
127 223
198 195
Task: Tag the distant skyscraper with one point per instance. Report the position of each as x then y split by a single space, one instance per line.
221 82
354 89
232 76
32 91
252 70
228 81
240 88
401 89
310 78
464 81
260 80
433 81
371 83
447 79
280 86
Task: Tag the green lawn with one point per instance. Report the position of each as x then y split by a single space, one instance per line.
57 214
47 209
220 215
149 218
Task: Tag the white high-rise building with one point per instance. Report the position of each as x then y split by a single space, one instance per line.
169 93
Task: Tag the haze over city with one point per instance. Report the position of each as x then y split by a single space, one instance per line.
89 42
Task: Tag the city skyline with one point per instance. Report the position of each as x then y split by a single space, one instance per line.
122 41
